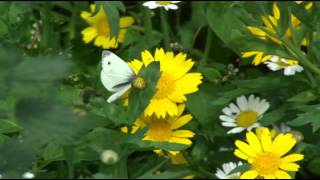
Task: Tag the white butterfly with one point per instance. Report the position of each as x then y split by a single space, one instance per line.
116 75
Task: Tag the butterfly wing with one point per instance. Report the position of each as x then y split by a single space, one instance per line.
115 71
116 75
119 93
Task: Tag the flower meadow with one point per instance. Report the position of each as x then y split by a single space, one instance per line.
160 89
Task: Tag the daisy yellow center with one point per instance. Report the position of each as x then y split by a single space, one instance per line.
247 118
103 27
165 86
159 130
266 163
163 3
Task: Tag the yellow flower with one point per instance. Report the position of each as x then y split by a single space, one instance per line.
259 57
271 24
164 129
265 155
174 83
175 157
100 30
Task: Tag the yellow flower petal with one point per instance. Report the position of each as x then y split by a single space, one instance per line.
240 154
292 158
245 148
183 134
270 176
258 59
257 31
136 65
181 121
184 141
282 175
89 34
85 15
147 57
276 11
289 167
283 144
249 175
254 142
126 21
249 54
188 83
181 108
159 54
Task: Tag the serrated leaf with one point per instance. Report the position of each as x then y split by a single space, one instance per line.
310 116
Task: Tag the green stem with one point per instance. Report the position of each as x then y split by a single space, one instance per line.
147 22
68 153
207 49
165 29
198 167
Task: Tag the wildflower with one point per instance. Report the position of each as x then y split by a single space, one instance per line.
259 57
271 24
174 83
164 129
165 4
265 155
245 114
290 66
100 30
227 168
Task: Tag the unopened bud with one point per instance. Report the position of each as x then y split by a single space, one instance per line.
139 83
109 157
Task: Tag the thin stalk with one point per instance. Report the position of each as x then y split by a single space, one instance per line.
207 49
165 29
147 22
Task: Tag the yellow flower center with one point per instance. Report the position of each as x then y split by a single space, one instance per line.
266 163
165 86
163 3
139 83
246 118
103 27
159 130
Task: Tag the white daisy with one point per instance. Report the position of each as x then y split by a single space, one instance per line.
245 114
224 173
275 63
165 4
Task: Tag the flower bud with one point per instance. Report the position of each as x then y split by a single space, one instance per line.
109 157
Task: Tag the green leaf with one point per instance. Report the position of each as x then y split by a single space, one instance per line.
139 99
303 97
15 156
312 115
3 28
7 126
53 152
210 73
111 10
47 120
242 168
272 117
314 166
